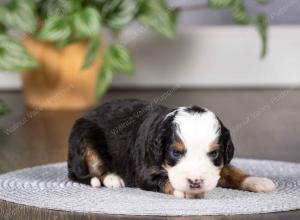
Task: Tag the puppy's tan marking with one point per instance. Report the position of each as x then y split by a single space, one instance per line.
94 162
231 177
214 145
168 188
180 145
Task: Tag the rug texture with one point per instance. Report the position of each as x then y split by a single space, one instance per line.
48 187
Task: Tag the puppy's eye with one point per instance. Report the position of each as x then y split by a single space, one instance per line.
176 154
214 154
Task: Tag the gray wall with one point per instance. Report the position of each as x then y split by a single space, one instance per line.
280 12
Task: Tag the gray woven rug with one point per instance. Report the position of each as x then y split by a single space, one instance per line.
48 187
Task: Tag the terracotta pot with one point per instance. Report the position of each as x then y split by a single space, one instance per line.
59 83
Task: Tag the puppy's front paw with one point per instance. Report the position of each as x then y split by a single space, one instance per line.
113 181
95 182
185 195
258 184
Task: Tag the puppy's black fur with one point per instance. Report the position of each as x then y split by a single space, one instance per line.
133 139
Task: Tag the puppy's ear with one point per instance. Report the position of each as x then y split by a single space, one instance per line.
226 143
229 149
157 149
164 137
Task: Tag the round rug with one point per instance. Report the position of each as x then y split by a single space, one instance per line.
48 187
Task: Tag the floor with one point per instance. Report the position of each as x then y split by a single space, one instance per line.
265 125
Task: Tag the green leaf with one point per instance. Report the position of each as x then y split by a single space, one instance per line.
19 15
104 80
262 27
86 23
239 13
55 29
119 59
57 8
158 16
13 56
217 4
3 108
91 53
118 13
4 15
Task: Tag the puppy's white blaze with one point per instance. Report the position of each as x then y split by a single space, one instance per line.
175 111
197 131
197 128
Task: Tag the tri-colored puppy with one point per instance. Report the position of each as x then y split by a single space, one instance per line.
185 151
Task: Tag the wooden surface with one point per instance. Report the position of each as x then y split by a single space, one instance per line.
265 125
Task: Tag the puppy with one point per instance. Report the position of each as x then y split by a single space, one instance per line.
184 152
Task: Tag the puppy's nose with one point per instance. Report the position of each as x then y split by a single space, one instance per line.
195 183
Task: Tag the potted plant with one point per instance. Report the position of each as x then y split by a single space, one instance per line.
66 64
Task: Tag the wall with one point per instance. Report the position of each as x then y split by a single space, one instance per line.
209 51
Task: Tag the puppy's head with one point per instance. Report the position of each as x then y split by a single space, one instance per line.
196 146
